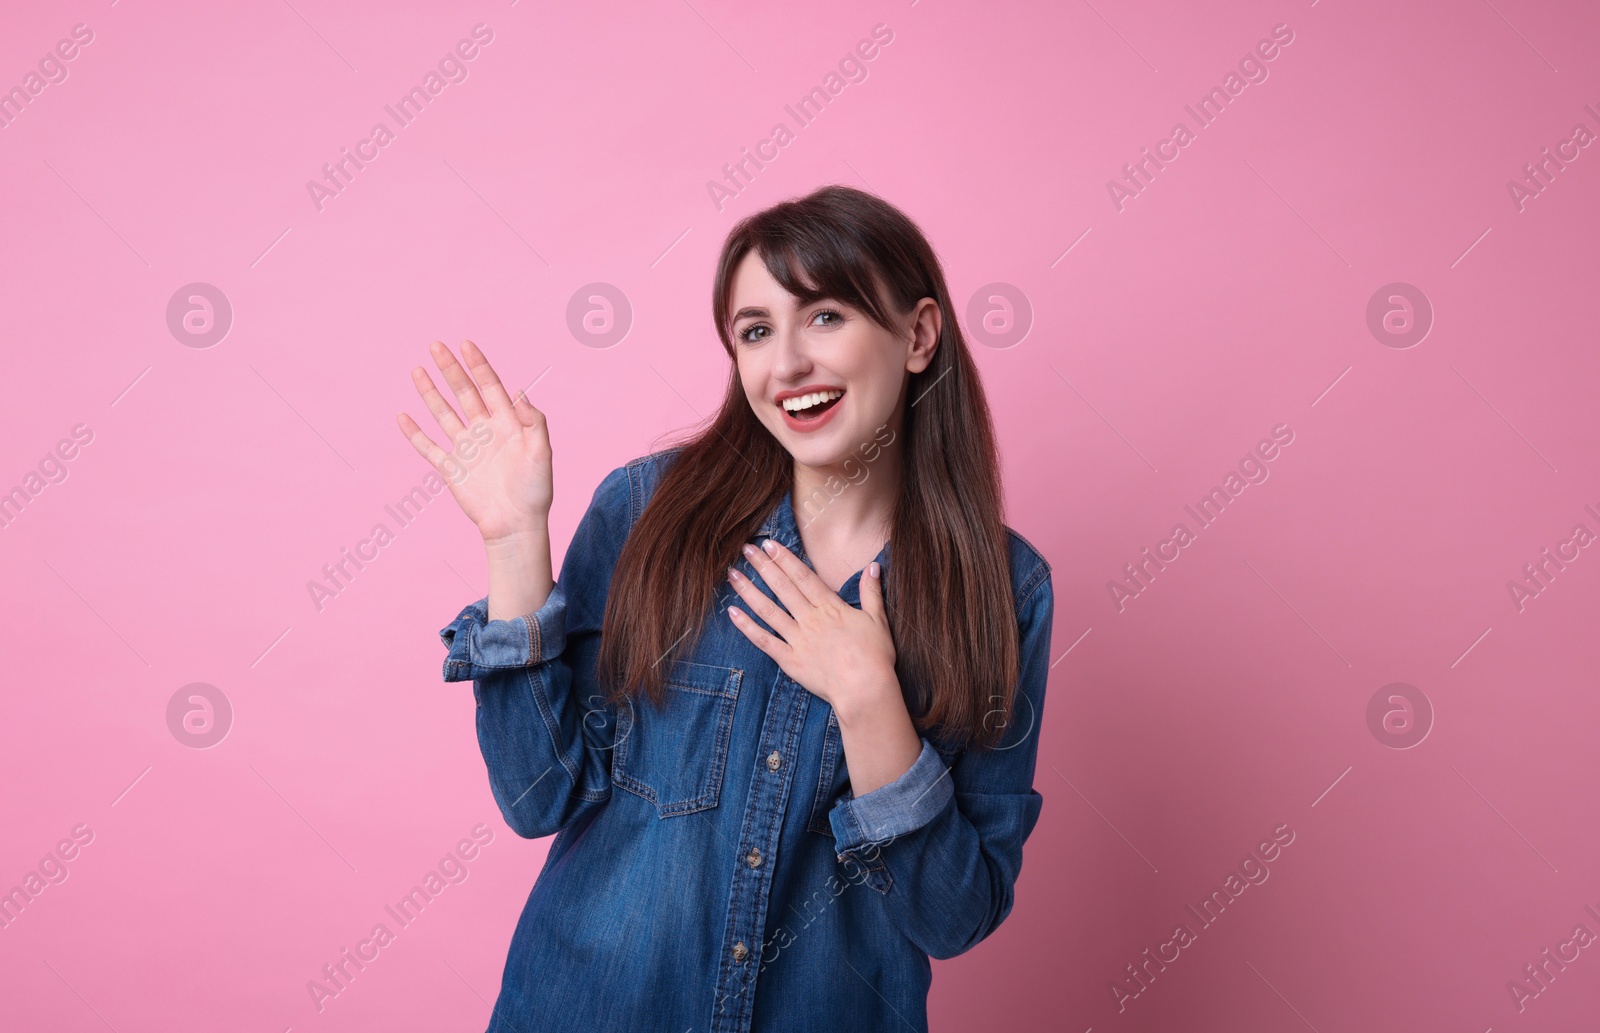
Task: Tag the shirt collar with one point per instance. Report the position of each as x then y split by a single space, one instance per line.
781 527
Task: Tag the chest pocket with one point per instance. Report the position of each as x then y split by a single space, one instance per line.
674 755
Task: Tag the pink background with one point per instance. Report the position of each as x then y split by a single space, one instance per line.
1166 339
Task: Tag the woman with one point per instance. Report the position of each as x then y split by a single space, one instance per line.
786 766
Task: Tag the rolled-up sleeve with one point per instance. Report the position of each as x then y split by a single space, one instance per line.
479 646
891 811
943 844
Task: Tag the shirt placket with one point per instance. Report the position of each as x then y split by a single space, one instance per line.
757 848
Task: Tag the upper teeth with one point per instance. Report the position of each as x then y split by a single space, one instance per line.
807 401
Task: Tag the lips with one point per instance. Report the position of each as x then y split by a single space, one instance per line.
809 401
809 407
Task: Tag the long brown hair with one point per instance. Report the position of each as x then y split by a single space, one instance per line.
947 585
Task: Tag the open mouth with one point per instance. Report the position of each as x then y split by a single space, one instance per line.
811 406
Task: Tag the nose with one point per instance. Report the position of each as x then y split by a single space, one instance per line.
791 362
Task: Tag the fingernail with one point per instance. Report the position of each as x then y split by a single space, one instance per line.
771 547
749 550
872 568
733 611
733 575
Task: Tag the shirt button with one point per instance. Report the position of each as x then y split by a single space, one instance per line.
753 858
740 951
774 761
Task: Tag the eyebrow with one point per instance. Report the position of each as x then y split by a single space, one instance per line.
760 312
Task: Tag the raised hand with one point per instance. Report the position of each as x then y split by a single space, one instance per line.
498 470
498 465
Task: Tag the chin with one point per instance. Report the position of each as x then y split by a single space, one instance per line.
830 446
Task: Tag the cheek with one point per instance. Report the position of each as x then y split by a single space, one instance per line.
884 388
753 380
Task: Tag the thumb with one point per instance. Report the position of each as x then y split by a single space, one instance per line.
527 415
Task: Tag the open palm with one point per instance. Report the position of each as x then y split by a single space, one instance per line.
498 464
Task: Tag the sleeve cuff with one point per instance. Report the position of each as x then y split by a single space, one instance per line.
479 646
903 806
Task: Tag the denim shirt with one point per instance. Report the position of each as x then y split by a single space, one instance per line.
712 871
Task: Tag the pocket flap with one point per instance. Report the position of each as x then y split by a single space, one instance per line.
721 681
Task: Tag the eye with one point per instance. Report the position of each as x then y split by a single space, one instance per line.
748 334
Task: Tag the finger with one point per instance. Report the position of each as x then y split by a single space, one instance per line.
494 392
815 590
759 637
776 617
872 590
782 585
526 413
448 421
420 441
525 410
455 375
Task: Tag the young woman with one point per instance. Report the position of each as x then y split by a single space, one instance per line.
787 763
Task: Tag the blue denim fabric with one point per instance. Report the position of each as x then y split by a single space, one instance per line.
712 871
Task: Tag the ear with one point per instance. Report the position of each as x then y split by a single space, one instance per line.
926 323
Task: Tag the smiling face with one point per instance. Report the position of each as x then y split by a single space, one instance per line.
822 377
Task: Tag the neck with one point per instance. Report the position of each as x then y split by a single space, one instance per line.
851 499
